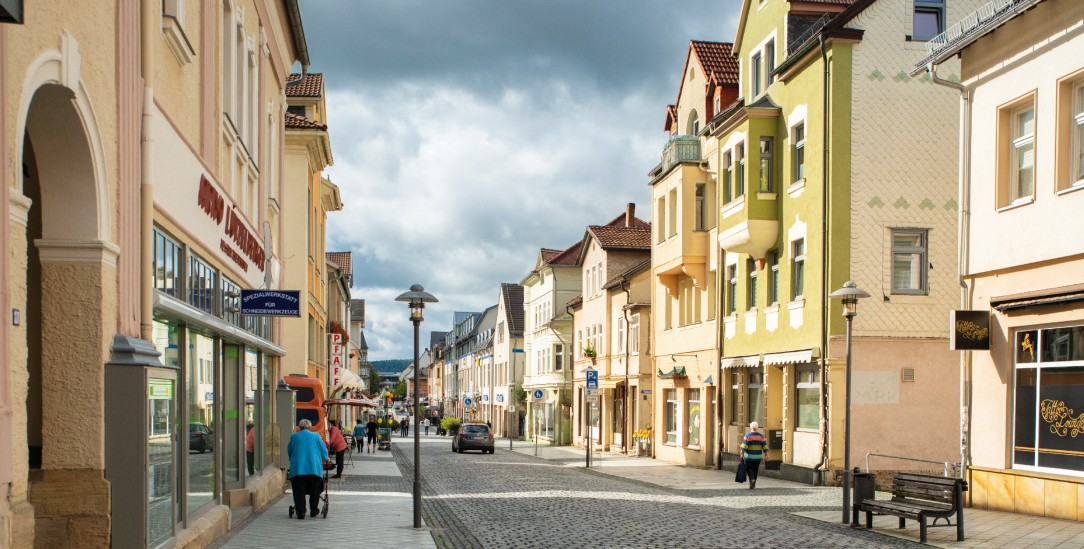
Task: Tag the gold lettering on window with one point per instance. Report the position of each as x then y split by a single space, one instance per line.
1061 418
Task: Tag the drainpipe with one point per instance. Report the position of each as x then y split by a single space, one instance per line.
720 265
149 19
962 251
625 287
826 282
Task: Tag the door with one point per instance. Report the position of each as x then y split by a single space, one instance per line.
164 436
233 415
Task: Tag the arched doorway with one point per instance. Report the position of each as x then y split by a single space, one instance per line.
70 313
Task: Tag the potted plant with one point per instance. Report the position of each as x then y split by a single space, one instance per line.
590 352
451 425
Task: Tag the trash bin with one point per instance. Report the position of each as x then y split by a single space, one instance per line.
862 486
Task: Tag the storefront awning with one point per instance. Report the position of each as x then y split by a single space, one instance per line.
741 361
1040 298
676 372
180 310
792 357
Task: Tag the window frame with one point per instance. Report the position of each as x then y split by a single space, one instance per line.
692 395
739 178
769 62
773 277
732 290
1008 148
671 413
921 251
1022 143
756 69
797 269
927 7
728 172
798 152
806 378
700 206
767 181
751 289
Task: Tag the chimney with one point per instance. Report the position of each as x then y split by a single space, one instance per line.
630 213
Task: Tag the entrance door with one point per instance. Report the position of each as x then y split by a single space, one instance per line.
233 414
163 434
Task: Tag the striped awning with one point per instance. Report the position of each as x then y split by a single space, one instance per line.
751 361
791 357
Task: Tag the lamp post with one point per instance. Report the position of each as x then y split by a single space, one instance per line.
849 294
416 299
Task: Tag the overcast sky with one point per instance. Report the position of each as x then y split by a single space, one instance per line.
469 134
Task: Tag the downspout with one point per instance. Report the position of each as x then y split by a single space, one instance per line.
149 18
625 287
963 223
719 327
825 282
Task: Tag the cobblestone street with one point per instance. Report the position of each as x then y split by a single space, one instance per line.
513 500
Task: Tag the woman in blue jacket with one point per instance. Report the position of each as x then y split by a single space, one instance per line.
307 456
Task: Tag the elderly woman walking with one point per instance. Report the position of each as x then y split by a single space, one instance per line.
754 449
307 456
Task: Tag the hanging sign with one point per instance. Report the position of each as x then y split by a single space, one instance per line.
969 330
336 359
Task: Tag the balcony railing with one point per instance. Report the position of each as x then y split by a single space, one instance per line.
680 148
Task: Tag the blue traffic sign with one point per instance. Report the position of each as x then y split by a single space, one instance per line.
592 379
538 394
467 401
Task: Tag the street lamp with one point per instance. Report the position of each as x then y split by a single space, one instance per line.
849 294
416 299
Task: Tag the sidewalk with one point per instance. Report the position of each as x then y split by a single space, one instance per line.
982 528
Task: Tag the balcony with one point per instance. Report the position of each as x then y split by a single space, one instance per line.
749 225
679 149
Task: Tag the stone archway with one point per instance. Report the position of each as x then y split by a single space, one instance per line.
70 303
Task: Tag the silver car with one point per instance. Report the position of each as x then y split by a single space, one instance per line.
473 436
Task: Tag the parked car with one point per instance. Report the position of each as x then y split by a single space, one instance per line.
200 438
473 436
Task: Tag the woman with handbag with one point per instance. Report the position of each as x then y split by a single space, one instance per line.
754 449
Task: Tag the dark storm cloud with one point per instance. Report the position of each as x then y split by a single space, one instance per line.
469 134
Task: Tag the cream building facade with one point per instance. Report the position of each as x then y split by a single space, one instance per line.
508 361
1022 184
149 143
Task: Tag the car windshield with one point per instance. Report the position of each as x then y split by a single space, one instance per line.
475 429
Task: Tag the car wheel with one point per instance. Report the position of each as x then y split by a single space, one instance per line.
460 449
453 446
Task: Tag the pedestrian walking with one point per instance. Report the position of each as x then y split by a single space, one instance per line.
754 449
405 426
427 421
359 436
250 449
307 454
336 444
370 433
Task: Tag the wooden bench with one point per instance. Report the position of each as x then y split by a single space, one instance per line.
921 497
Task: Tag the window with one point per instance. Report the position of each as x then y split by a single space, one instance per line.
660 219
735 394
731 289
808 395
769 60
693 430
755 76
672 218
751 291
634 334
739 177
1022 184
799 152
620 335
558 357
766 184
717 103
754 391
728 168
909 261
668 310
201 285
698 209
797 269
1069 165
694 123
1077 138
168 263
929 19
231 302
773 277
1049 367
671 416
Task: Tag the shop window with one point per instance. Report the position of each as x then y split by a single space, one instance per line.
754 392
671 416
808 397
1049 394
202 488
693 406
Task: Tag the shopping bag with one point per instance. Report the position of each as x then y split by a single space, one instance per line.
740 476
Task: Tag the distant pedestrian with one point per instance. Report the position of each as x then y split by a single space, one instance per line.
404 427
370 433
307 456
250 449
427 422
359 436
337 444
754 449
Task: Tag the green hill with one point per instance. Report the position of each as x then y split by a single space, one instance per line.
393 366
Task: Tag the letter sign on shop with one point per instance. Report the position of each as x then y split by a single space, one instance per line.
271 302
969 330
336 359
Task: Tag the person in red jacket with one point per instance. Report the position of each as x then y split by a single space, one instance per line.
337 444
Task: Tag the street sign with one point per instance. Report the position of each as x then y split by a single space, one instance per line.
593 399
467 401
592 392
271 302
538 394
592 378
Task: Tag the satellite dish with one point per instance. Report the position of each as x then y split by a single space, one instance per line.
267 277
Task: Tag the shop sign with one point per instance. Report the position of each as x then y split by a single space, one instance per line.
336 359
214 205
485 398
271 302
969 331
500 398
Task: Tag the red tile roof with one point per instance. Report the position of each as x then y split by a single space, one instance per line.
622 237
294 121
341 260
548 254
717 60
568 257
305 85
